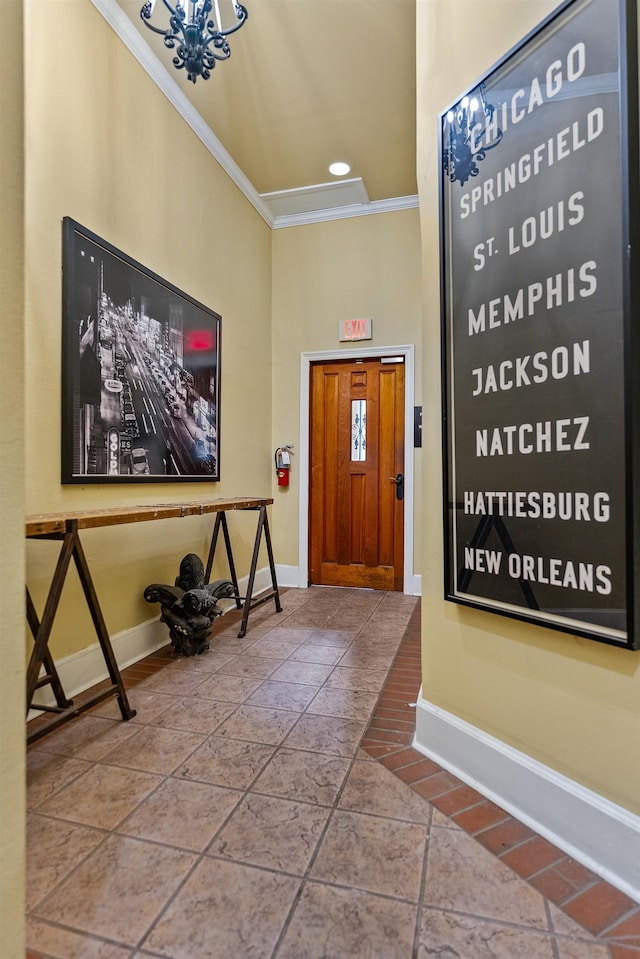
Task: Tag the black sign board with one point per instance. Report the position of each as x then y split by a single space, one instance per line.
539 214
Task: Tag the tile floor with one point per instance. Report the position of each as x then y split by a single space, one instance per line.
266 802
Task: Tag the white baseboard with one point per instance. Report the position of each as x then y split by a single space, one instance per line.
84 669
596 832
287 575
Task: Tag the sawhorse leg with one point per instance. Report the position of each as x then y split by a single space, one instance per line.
249 603
221 520
71 548
51 677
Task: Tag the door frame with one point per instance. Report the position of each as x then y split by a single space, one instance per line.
407 352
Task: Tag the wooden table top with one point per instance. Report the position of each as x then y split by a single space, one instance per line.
44 523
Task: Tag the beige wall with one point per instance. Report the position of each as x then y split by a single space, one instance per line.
569 702
12 749
104 146
322 274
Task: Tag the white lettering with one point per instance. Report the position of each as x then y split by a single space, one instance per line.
547 436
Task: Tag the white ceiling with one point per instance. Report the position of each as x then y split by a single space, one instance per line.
308 82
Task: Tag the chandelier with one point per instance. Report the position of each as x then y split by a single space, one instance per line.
197 39
471 133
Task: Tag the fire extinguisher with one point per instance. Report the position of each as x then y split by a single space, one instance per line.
283 463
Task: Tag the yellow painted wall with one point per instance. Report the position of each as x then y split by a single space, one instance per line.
327 272
12 736
570 703
104 146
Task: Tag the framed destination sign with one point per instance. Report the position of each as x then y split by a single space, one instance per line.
539 218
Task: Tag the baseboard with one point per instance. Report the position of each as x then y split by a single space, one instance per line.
84 669
416 585
287 575
596 832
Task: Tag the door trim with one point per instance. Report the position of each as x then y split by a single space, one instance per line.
407 352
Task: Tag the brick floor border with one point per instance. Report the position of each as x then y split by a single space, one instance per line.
596 905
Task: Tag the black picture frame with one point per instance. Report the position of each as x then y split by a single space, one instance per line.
539 217
140 371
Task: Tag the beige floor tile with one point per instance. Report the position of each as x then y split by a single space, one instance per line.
292 696
311 674
195 715
102 796
211 835
310 653
378 855
439 819
119 890
272 832
450 934
154 750
462 875
258 724
250 666
209 662
147 704
287 634
361 658
336 637
344 703
347 677
326 734
182 813
65 944
174 682
572 949
375 646
304 618
347 622
230 643
306 777
291 599
87 737
47 774
273 648
225 911
331 923
228 689
372 789
54 848
225 762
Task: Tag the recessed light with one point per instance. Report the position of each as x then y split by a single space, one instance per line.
339 169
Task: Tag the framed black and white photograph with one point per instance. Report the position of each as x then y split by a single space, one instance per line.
539 221
140 371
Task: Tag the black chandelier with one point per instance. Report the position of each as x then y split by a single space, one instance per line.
197 39
469 133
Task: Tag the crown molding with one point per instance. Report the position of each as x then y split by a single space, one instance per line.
344 212
135 43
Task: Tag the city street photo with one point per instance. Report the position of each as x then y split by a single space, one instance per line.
140 371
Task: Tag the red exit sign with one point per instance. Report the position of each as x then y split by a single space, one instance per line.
354 330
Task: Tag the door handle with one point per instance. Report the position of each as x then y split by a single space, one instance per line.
399 481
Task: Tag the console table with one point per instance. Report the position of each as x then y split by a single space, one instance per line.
66 527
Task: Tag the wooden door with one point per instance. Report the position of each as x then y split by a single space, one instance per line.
356 513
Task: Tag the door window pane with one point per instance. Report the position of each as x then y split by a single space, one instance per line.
358 430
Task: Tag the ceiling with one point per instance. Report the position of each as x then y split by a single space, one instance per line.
308 82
